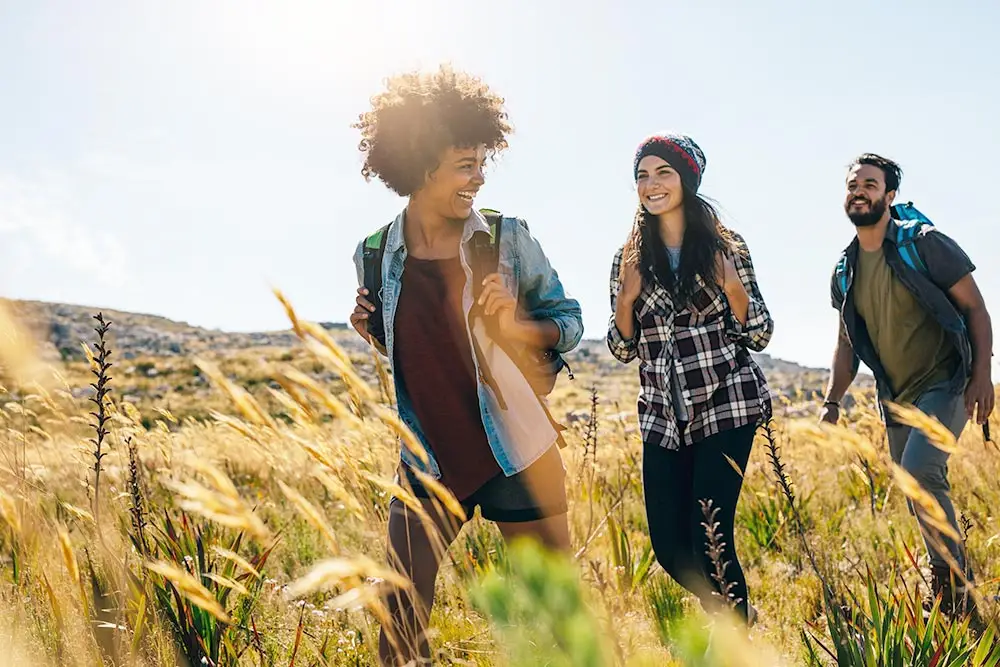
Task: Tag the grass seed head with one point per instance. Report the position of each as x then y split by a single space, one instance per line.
936 432
190 588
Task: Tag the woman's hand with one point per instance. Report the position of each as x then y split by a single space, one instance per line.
630 283
497 300
362 309
629 289
729 278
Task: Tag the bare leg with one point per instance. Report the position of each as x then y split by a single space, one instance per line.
552 532
417 555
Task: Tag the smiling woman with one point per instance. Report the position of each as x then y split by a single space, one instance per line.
458 333
687 305
420 116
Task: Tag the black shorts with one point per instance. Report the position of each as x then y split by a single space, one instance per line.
537 492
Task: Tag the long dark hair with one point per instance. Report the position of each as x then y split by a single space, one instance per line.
704 237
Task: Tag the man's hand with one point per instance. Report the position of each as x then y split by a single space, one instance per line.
830 413
979 397
359 318
842 372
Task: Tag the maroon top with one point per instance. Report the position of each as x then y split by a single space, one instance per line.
434 359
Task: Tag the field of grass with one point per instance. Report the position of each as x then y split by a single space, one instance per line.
232 510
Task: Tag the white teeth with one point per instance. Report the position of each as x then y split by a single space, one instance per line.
656 197
466 195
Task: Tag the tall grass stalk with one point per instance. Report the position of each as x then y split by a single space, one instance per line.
100 367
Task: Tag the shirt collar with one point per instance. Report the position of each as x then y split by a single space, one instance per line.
891 232
396 241
891 235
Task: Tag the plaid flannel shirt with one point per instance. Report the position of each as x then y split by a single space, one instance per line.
697 377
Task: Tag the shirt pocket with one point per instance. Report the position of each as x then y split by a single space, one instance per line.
655 321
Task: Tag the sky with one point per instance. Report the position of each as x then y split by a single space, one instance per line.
182 158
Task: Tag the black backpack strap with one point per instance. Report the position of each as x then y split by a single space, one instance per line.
372 254
484 259
485 250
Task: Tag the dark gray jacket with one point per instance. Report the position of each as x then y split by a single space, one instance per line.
945 263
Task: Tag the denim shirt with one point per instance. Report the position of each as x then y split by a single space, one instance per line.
520 433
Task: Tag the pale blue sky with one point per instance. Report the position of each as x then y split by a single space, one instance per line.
180 157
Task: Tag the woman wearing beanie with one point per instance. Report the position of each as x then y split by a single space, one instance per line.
685 301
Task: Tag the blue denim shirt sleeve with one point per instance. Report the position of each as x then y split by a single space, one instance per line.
543 293
359 263
623 350
756 333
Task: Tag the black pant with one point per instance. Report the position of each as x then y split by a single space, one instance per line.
673 483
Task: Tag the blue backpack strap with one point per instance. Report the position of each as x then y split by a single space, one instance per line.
840 273
907 212
909 224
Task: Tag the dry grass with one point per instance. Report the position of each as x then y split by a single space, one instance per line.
247 526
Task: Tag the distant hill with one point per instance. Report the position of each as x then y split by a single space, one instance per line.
62 327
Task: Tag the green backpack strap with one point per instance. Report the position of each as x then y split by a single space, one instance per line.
371 255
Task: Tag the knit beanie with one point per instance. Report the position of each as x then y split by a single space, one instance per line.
678 150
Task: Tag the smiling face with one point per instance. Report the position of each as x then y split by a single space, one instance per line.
867 199
658 185
451 188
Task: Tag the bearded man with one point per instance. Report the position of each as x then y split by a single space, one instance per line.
912 312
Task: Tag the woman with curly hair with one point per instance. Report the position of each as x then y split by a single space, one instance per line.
685 301
457 340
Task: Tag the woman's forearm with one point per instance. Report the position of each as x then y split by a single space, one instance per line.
542 334
625 319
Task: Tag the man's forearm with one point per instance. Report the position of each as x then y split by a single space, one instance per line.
981 335
842 370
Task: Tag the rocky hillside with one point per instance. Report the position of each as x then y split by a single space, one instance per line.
61 328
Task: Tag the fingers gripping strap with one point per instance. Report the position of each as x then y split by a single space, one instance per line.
374 251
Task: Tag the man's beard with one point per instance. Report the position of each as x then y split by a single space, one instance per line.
876 210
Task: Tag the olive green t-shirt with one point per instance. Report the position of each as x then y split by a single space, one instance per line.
913 348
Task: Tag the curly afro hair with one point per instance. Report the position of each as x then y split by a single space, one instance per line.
420 115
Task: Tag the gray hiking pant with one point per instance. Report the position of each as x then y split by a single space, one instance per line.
929 466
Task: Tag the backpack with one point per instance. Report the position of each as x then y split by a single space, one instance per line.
910 222
540 369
